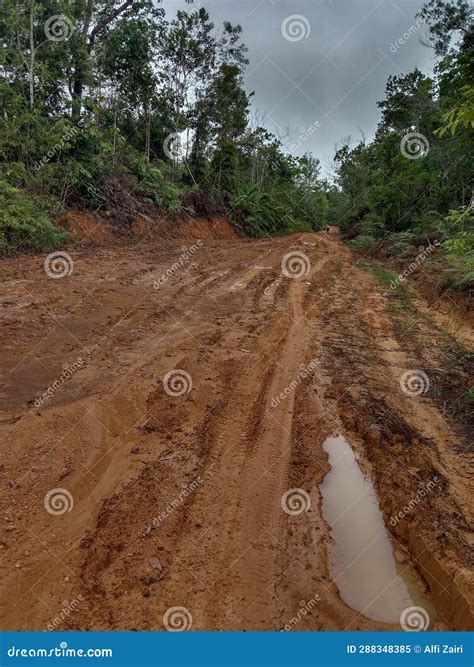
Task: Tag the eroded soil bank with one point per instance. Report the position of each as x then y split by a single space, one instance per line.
179 489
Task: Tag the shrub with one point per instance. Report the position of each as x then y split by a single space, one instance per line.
23 223
154 187
459 244
363 242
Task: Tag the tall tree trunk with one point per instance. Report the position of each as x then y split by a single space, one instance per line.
83 54
115 126
79 69
146 109
32 56
77 89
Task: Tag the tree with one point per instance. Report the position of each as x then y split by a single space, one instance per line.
462 116
126 58
447 19
409 103
94 19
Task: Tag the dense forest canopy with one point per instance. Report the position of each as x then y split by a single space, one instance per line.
108 105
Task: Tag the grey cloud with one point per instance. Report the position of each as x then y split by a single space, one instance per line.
333 76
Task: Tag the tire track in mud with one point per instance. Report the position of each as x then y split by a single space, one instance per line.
243 473
227 550
244 481
206 432
265 476
407 437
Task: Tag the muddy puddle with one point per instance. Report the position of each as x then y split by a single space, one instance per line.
361 558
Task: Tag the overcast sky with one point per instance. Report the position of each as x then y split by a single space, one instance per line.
319 66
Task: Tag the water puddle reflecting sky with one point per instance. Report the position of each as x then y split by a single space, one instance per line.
361 559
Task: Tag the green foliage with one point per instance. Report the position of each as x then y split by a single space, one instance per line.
384 277
363 242
392 191
154 186
23 223
446 19
89 120
460 250
264 212
457 221
461 116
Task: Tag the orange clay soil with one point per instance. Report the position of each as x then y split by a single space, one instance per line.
176 500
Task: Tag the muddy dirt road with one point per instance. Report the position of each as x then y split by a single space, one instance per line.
157 405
